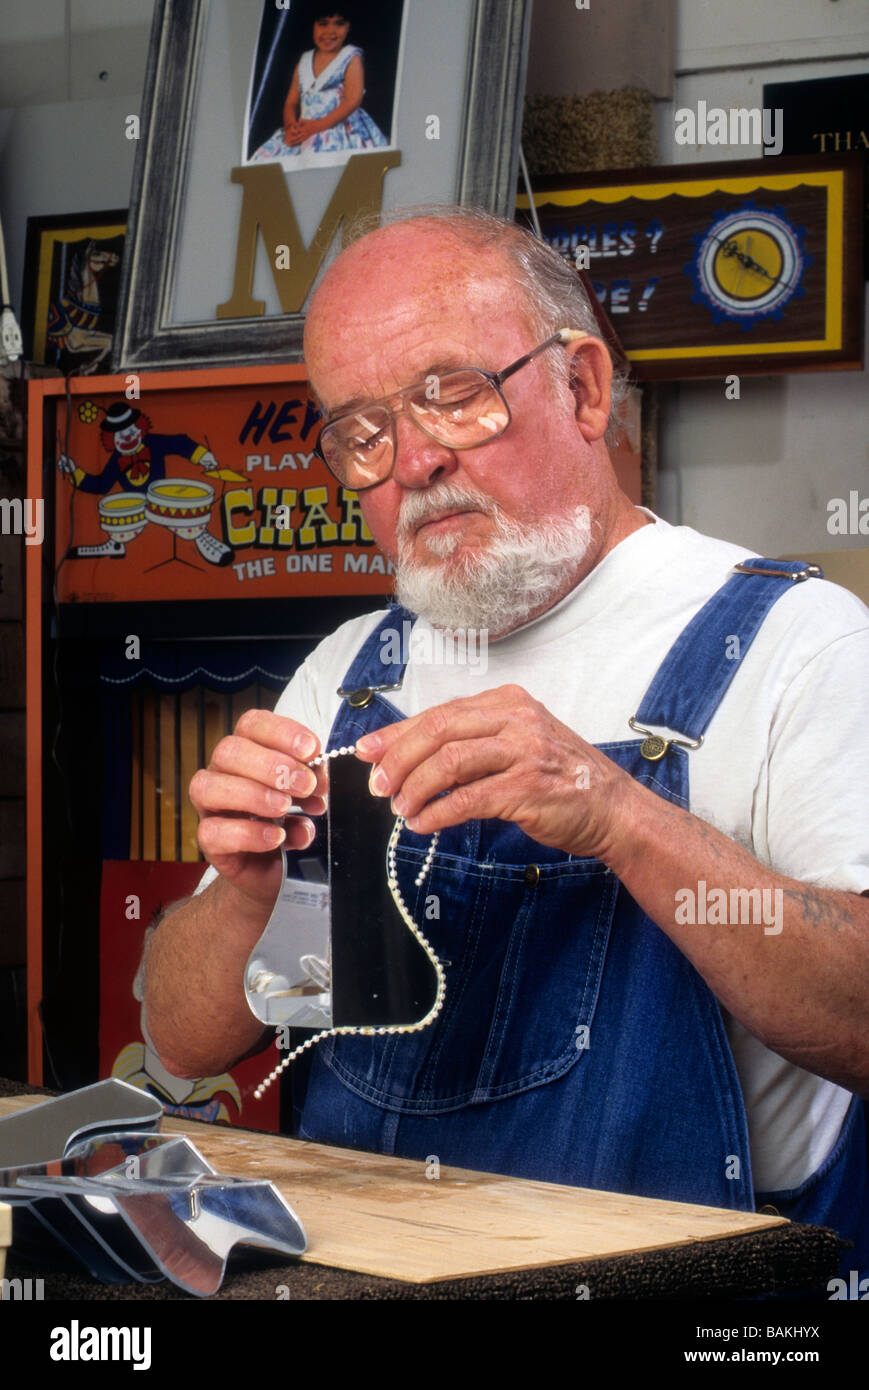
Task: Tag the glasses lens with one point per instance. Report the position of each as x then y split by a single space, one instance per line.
460 409
358 448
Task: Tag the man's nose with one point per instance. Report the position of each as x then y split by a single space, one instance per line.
420 460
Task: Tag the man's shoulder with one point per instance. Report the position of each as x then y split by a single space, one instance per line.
830 609
312 694
331 658
349 637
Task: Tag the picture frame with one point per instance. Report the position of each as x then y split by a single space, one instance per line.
746 267
199 287
71 286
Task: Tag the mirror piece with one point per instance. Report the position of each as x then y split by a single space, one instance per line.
287 975
336 953
141 1206
381 975
43 1132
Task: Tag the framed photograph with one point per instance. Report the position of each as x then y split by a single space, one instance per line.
72 276
746 267
334 60
267 128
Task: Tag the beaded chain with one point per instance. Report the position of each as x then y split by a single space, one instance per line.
392 884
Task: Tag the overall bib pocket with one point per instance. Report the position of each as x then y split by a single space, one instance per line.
522 942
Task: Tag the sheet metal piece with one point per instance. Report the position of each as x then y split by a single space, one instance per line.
189 1228
44 1132
63 1220
138 1206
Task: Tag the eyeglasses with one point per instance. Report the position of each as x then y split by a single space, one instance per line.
461 409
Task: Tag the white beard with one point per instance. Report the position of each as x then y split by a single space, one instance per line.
521 571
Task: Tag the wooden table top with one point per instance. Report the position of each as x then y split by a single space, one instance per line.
383 1216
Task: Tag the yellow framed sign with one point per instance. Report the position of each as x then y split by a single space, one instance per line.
748 267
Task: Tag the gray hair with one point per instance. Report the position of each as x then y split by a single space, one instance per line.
553 293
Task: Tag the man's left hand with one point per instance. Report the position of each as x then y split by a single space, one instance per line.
500 754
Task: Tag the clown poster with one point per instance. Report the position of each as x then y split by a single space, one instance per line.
168 491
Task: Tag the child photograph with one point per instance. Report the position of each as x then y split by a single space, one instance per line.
324 83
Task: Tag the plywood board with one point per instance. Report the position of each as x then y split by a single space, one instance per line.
383 1216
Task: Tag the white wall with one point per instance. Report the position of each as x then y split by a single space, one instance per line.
715 34
70 72
627 44
759 471
48 166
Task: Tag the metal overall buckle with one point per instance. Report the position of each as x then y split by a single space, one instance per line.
359 697
653 746
807 572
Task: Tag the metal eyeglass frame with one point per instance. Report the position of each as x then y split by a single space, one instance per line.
495 379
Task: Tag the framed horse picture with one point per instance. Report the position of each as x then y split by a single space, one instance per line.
72 276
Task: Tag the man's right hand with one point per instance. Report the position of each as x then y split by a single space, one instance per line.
255 775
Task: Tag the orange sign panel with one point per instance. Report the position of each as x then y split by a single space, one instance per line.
207 491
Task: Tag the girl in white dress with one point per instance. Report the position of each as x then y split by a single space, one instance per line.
323 110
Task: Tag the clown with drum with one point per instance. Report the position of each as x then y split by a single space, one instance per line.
137 464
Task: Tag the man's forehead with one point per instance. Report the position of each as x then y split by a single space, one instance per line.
393 324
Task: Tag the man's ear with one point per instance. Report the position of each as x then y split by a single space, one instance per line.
591 372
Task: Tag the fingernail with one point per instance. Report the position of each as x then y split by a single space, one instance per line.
279 803
305 745
303 782
399 805
369 743
274 835
379 782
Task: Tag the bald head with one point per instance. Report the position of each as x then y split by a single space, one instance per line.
404 277
440 255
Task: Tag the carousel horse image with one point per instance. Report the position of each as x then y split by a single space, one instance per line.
73 319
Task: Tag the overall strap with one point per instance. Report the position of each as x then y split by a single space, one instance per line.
379 664
696 672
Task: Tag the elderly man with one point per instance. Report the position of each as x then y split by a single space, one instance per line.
655 947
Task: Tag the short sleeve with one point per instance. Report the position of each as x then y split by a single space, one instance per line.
818 769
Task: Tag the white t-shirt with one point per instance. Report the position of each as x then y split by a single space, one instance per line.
783 769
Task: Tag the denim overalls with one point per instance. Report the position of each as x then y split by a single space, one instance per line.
576 1043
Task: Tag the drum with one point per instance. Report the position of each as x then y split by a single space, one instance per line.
181 504
122 515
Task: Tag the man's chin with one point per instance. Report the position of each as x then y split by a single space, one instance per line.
462 559
495 587
451 593
446 546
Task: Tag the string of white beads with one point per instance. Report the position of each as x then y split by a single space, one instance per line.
332 753
392 884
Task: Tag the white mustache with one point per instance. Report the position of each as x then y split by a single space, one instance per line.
420 507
